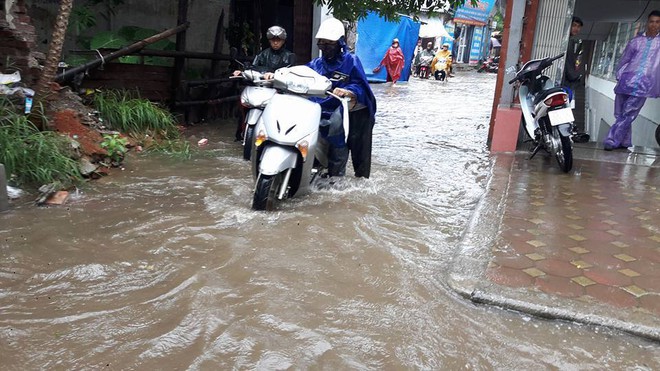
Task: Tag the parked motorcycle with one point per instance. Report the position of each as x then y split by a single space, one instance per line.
490 65
254 99
548 117
288 152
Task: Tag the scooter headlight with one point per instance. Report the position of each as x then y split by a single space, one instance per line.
298 84
260 138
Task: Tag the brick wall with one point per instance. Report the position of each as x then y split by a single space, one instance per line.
17 42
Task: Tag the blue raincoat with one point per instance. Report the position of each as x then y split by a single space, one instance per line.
348 67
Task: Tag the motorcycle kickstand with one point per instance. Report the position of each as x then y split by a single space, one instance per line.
535 151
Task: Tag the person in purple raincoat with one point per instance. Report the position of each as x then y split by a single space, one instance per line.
638 78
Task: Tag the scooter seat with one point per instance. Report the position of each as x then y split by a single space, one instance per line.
544 94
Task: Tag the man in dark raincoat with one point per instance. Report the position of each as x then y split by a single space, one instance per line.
269 60
349 80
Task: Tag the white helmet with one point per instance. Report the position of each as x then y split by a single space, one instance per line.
331 29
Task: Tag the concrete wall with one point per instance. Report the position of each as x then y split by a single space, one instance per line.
600 114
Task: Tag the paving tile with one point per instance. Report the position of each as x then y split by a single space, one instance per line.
607 277
612 295
602 260
629 272
579 250
583 281
533 272
515 262
645 268
647 283
635 290
536 243
625 257
509 277
559 268
535 256
559 285
581 264
650 303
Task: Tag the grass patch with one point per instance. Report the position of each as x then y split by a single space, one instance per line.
32 156
151 125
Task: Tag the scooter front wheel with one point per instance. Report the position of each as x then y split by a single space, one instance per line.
248 141
265 192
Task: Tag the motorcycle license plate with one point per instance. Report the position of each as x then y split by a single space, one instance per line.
561 116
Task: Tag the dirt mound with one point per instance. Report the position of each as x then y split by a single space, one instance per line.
69 122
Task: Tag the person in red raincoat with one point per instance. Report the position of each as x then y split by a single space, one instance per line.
393 62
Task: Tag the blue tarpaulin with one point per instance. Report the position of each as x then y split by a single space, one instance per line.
375 35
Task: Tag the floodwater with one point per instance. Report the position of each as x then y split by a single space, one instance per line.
164 266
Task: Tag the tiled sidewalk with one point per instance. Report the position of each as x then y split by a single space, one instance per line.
583 245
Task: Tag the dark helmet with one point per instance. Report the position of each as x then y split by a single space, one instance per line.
276 32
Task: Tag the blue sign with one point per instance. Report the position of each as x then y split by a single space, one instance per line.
477 16
477 42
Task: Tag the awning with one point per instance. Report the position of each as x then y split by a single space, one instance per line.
433 28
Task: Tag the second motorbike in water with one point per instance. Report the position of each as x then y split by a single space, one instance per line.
548 117
254 99
287 151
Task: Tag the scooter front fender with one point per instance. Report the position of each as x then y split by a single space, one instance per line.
253 116
276 159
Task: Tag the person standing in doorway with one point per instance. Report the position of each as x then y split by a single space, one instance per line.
393 62
574 73
638 78
573 69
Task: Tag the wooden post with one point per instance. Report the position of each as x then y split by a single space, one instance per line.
218 43
180 62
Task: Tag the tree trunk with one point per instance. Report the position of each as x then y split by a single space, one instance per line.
55 49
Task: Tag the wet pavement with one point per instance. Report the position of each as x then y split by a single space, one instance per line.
583 246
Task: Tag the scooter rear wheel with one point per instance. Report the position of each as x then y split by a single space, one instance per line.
564 152
265 192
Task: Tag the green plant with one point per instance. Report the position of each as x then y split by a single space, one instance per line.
32 156
152 126
126 112
116 147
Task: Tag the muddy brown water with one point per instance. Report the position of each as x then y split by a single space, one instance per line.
164 266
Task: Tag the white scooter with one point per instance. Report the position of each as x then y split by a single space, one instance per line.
254 99
287 152
547 113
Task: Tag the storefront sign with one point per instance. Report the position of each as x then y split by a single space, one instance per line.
477 16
